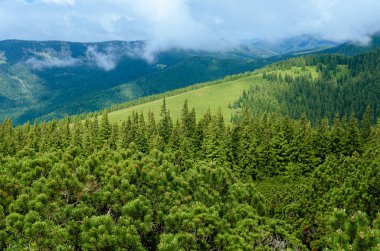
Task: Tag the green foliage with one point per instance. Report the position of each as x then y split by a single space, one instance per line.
354 232
320 86
263 182
266 182
29 90
201 97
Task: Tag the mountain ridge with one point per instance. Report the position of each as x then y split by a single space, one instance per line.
83 77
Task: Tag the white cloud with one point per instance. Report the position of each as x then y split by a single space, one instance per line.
104 60
51 59
41 64
190 24
3 58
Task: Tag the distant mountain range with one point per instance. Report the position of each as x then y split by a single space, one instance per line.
354 48
50 79
289 46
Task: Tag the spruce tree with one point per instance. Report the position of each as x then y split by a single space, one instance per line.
353 135
165 122
105 129
365 129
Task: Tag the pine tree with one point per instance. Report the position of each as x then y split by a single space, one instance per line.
7 144
114 137
214 143
77 137
322 140
65 133
165 123
34 136
338 136
88 143
105 129
151 125
365 130
301 147
95 134
141 138
126 133
353 135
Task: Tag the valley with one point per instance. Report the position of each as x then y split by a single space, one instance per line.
73 78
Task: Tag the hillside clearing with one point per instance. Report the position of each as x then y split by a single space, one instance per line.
211 97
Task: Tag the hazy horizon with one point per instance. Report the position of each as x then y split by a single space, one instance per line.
196 25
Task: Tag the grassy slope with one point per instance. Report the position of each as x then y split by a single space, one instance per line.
214 97
211 97
297 71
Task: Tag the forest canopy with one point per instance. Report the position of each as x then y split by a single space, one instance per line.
267 181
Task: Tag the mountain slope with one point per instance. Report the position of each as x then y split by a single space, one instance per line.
72 78
293 45
317 85
354 48
211 98
71 73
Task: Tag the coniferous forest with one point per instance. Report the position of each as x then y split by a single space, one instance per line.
264 182
318 85
189 125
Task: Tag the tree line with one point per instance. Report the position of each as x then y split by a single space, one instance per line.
264 182
344 85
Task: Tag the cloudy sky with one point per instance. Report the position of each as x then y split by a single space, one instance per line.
187 23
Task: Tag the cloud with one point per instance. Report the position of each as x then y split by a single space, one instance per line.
187 24
168 24
106 61
42 64
51 59
3 58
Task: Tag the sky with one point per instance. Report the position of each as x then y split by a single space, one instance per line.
188 24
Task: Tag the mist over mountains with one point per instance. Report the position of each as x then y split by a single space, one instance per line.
50 79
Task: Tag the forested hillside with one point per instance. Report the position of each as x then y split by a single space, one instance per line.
165 125
320 86
267 182
297 168
353 48
51 79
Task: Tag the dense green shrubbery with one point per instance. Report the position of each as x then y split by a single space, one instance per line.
265 183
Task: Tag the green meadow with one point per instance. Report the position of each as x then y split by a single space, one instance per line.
296 71
220 96
211 97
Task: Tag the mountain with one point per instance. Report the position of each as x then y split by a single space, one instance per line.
50 79
187 179
318 86
293 45
202 97
353 48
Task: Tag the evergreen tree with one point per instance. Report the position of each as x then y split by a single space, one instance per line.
105 129
353 135
365 130
165 123
7 145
